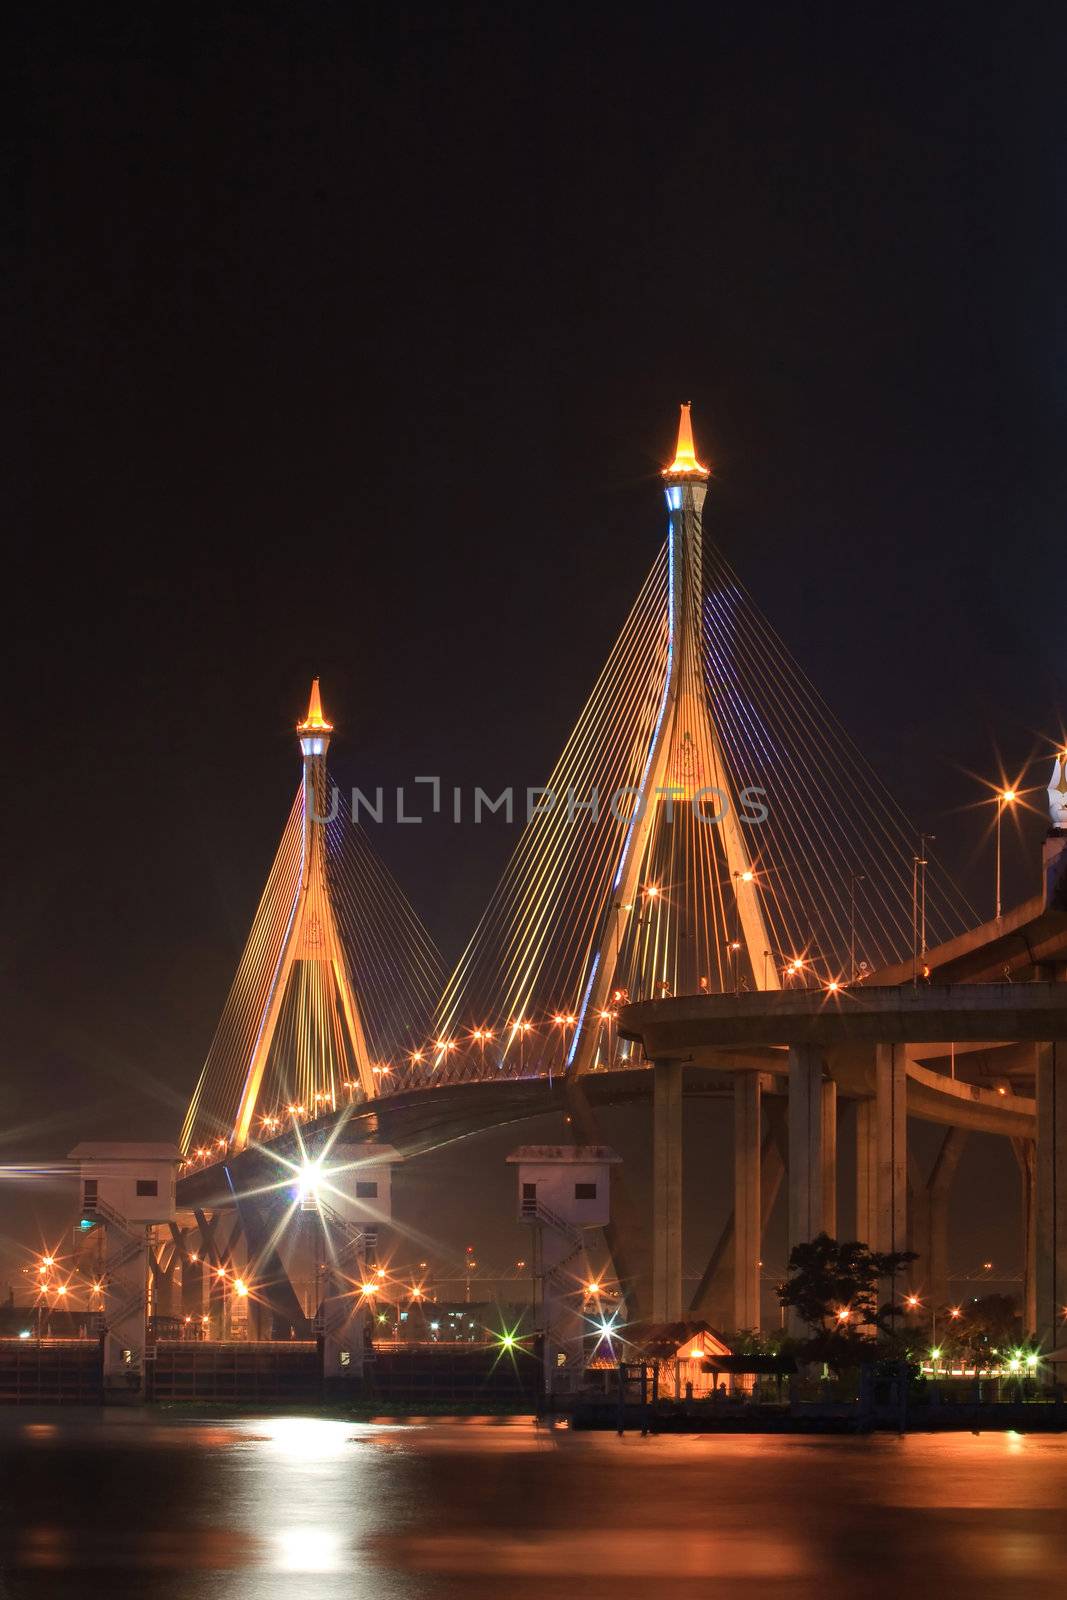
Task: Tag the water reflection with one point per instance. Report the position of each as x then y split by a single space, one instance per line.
303 1438
310 1549
291 1507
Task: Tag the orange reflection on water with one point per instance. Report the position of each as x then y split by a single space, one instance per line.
667 1554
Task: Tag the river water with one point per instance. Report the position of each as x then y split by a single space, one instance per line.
131 1504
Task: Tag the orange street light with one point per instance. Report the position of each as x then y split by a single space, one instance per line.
1005 797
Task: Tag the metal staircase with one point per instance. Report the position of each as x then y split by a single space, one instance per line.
126 1298
535 1211
354 1241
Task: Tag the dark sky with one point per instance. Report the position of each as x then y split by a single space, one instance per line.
351 343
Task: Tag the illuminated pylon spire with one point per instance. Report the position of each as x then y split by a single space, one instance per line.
685 463
314 722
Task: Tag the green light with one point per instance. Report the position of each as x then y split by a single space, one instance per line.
935 1354
1014 1364
1031 1361
507 1340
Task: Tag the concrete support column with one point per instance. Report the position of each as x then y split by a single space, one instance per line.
865 1125
805 1150
1027 1159
747 1200
714 1296
1051 1241
939 1190
891 1143
805 1143
918 1222
829 1157
667 1192
937 1263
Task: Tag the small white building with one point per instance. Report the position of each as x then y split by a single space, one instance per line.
564 1191
571 1181
357 1183
133 1180
127 1190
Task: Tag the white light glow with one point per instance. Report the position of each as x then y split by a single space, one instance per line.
312 1549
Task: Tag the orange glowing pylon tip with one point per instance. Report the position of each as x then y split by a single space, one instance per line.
685 463
314 722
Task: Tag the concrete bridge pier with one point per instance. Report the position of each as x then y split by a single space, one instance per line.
829 1156
809 1155
928 1207
1026 1156
747 1199
891 1146
667 1303
715 1298
1051 1230
939 1190
864 1130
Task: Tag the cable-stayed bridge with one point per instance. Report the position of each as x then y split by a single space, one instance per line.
711 844
709 828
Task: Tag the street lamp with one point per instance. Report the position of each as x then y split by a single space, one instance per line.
563 1021
521 1029
608 1017
1005 797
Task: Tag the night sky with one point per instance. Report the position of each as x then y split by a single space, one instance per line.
349 341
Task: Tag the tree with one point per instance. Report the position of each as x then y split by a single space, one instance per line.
991 1328
834 1287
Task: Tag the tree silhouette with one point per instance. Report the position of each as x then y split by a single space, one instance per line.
835 1287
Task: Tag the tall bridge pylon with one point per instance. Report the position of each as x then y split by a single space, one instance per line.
685 824
708 827
338 977
311 952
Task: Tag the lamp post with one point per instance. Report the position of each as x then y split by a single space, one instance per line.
1005 797
607 1017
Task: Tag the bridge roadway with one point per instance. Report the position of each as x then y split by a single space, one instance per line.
414 1122
925 1014
715 1035
1030 939
711 1030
